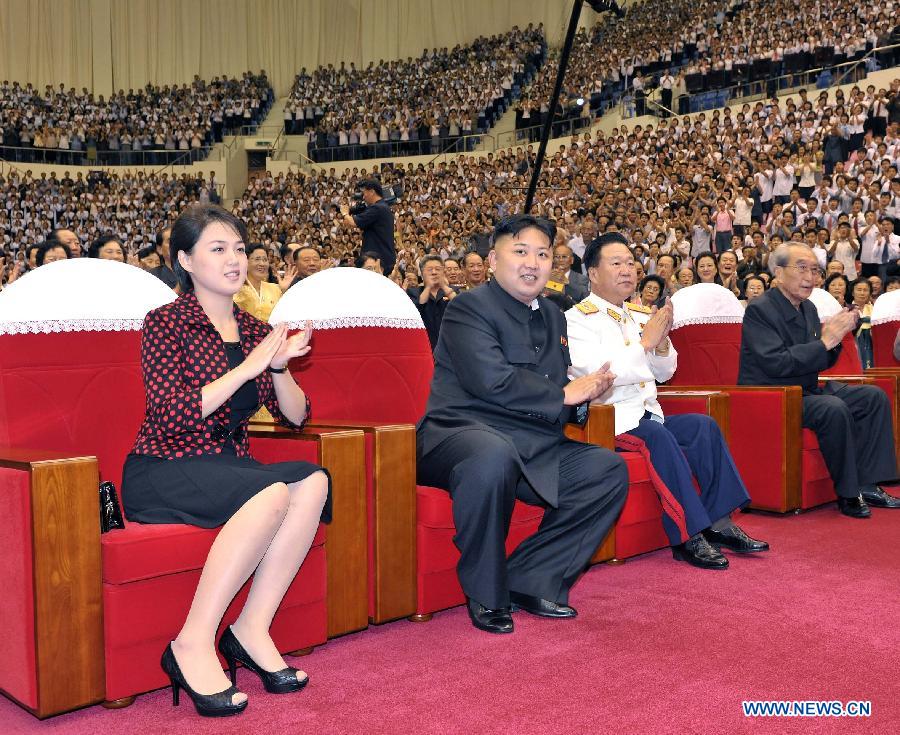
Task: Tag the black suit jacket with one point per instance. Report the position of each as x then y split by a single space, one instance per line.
781 345
488 376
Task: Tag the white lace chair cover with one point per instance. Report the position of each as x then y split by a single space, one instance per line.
81 295
347 297
825 303
706 303
886 308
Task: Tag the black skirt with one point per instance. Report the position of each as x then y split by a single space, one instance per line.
206 491
202 491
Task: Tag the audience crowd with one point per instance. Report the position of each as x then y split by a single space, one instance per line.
414 106
153 125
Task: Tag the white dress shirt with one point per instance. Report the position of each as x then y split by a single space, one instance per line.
601 332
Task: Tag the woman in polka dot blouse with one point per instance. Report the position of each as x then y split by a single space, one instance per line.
207 367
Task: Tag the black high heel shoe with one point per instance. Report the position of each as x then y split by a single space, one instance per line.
275 682
208 705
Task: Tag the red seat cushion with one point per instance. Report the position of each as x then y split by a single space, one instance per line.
435 509
144 551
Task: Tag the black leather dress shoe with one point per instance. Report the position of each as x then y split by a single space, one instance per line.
491 621
699 553
734 539
854 507
540 606
878 498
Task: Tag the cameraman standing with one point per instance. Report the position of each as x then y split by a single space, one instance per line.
377 224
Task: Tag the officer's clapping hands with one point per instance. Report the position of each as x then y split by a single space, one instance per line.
656 330
588 387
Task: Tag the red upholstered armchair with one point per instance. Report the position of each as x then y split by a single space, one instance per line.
885 323
371 369
87 616
779 460
849 366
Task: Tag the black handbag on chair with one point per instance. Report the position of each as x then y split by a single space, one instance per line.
110 513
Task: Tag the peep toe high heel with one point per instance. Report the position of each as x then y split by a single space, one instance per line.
275 682
208 705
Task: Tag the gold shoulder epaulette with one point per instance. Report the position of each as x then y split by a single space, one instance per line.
587 307
638 307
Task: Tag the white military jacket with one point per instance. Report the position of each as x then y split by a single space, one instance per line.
601 332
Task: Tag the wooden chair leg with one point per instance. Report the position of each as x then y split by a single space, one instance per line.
424 618
118 703
301 651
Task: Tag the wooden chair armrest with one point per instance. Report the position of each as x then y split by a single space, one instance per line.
391 465
600 430
342 452
61 518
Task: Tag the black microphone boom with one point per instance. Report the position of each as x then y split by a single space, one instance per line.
599 6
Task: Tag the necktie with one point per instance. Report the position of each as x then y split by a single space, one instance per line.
884 250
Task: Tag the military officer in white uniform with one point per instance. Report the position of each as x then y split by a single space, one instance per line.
634 340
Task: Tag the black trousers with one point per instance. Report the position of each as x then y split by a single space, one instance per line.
855 433
484 477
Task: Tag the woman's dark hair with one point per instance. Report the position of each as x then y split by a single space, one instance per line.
97 245
515 223
366 255
45 247
187 231
652 278
254 246
848 289
715 260
755 278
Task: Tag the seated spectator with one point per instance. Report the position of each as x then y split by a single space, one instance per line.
107 247
634 343
838 286
433 297
307 261
473 270
650 289
148 258
706 267
260 291
370 262
754 287
853 423
50 252
862 301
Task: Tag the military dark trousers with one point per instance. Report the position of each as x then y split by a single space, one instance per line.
689 446
855 432
484 476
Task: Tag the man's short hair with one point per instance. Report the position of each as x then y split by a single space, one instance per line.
515 223
371 185
594 249
426 259
302 248
367 255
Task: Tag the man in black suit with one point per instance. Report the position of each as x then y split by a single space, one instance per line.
784 344
377 224
493 432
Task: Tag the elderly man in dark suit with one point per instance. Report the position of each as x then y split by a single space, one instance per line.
576 284
784 344
493 432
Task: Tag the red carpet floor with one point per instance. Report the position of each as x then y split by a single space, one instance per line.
658 647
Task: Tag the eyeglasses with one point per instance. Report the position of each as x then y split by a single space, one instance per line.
803 268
